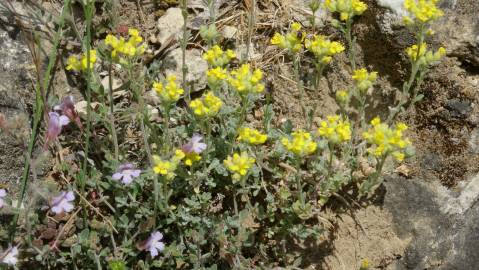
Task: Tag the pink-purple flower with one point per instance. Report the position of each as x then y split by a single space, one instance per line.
125 173
154 244
194 145
55 124
3 194
63 202
67 108
9 257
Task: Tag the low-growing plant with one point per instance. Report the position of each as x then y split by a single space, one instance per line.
209 188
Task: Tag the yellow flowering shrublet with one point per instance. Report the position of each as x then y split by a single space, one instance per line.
246 81
292 41
421 11
335 130
252 136
170 92
216 57
206 106
347 9
216 76
301 144
423 56
364 79
168 167
239 164
323 48
385 140
76 64
125 48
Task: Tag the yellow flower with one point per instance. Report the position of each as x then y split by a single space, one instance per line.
347 9
121 48
363 79
75 64
239 164
335 130
342 97
168 167
423 56
322 48
421 11
191 158
245 81
302 144
385 140
170 92
216 57
291 41
216 76
206 106
252 136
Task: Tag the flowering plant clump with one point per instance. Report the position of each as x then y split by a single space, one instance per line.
323 48
216 76
126 173
193 149
251 136
347 9
335 129
122 49
81 64
385 140
301 144
206 106
421 11
63 202
216 57
423 57
167 168
239 164
246 81
169 92
292 41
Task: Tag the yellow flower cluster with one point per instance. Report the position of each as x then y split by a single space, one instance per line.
347 9
423 56
216 57
252 136
168 167
322 48
239 164
206 106
421 11
216 76
335 130
385 140
342 97
191 158
125 48
170 92
363 79
292 41
76 64
302 143
246 81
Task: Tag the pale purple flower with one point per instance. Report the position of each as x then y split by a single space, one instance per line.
3 193
154 244
55 124
63 202
126 173
10 256
194 145
67 108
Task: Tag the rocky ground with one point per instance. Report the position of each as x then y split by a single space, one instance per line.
426 215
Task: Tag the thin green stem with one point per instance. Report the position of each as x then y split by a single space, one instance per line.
296 61
299 184
112 115
351 43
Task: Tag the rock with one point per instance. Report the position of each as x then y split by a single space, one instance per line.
170 24
197 67
395 6
16 96
301 12
458 108
229 32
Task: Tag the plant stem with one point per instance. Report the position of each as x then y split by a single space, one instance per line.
166 126
251 22
299 185
296 61
184 42
112 115
351 43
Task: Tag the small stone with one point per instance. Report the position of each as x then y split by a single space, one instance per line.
153 39
458 108
170 24
197 67
229 32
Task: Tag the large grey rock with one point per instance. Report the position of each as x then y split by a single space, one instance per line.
170 25
197 67
15 96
